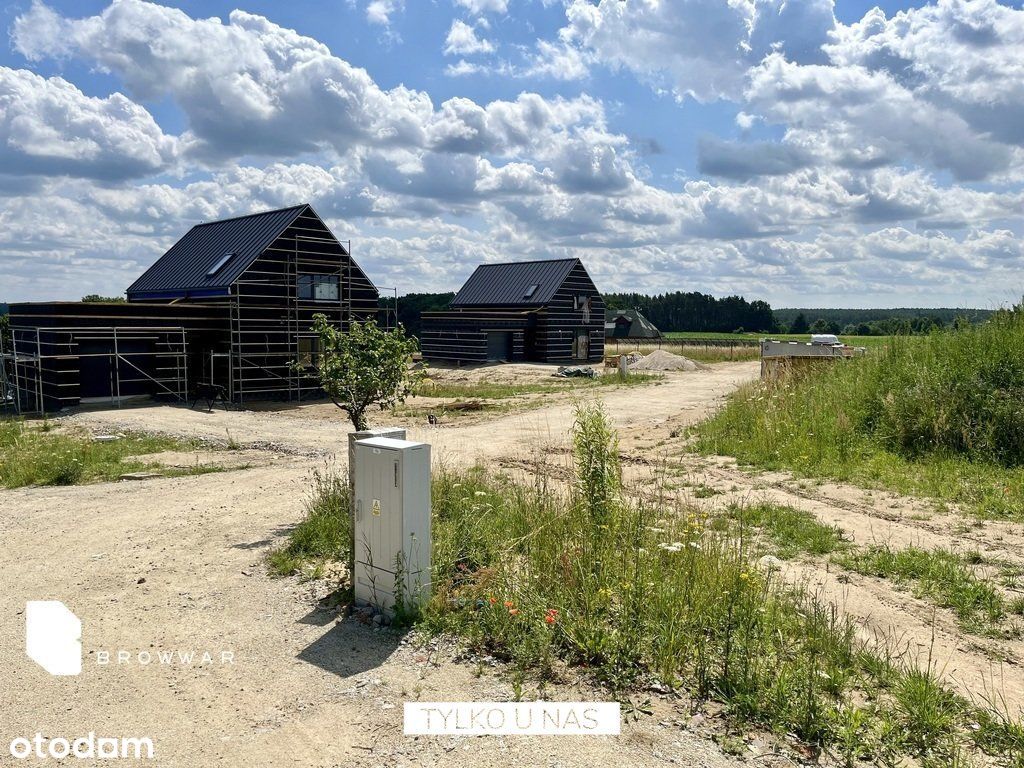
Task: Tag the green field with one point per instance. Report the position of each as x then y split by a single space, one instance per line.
631 593
871 342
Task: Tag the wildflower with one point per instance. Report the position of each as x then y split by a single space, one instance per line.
744 576
509 604
492 600
551 616
513 611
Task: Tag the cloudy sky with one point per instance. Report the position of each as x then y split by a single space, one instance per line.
806 152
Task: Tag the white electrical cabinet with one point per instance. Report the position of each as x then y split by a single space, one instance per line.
397 433
392 522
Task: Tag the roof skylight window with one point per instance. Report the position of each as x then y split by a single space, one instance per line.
220 264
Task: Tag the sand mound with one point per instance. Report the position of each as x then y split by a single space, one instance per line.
660 360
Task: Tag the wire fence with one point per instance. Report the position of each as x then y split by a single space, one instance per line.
705 350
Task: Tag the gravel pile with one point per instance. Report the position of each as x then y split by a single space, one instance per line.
660 360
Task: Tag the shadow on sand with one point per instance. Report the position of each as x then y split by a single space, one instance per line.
349 647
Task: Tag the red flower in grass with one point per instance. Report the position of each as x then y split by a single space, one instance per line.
492 600
551 616
513 611
509 604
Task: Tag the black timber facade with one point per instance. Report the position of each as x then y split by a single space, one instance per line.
540 311
230 304
64 354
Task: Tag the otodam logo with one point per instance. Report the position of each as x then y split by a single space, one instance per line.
53 637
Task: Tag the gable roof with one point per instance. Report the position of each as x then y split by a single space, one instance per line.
507 284
185 269
629 324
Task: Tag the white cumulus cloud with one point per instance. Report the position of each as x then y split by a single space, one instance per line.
462 40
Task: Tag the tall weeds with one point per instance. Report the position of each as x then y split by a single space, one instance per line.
596 577
631 592
324 534
941 415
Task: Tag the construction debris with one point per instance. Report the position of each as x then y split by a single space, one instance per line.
576 371
660 360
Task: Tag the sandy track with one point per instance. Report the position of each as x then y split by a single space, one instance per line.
317 428
982 668
176 564
305 690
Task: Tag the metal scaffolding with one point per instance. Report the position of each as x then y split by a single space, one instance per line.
43 366
268 317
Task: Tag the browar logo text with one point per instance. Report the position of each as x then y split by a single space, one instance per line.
53 640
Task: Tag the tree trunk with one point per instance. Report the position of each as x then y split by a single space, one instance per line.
359 421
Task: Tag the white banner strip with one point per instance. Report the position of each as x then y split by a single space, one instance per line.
531 718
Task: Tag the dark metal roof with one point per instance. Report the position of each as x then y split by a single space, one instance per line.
507 285
185 267
629 324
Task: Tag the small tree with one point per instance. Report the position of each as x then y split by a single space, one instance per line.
799 324
364 366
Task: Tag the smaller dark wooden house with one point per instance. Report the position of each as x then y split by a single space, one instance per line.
542 311
628 324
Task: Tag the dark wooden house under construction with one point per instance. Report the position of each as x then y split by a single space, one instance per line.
543 311
230 304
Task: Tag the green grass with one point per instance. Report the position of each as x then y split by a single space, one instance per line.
632 592
790 531
871 342
628 592
935 416
32 454
939 576
323 535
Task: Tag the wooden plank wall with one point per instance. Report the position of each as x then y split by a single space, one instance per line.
461 337
268 318
558 327
63 332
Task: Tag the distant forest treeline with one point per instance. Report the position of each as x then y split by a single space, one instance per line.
873 322
412 304
698 312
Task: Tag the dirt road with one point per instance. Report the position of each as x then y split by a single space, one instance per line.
176 565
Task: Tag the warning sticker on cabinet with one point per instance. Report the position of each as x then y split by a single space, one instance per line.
375 509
